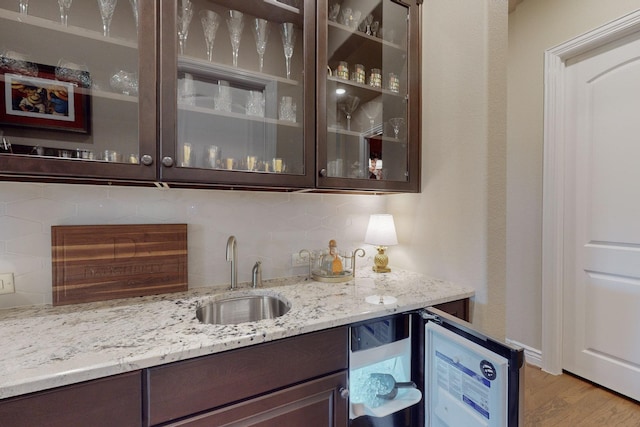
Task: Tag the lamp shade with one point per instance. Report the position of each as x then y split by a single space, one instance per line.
381 230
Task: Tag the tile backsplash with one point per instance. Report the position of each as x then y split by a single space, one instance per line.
269 227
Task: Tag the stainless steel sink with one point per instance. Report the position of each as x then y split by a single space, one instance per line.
234 309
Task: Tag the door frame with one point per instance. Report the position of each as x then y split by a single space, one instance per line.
554 177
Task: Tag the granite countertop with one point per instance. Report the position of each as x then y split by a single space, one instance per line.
45 347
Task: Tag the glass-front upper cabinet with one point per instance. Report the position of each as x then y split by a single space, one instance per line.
237 92
78 88
368 68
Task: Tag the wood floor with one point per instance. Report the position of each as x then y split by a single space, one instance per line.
565 400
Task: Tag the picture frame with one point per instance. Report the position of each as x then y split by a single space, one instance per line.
40 96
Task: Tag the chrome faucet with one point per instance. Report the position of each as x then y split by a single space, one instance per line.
232 255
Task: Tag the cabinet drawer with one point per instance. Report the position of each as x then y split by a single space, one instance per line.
112 401
184 388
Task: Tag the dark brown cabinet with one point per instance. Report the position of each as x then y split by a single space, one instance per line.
298 373
159 108
108 402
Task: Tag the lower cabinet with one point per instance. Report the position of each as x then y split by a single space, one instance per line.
315 403
273 384
108 402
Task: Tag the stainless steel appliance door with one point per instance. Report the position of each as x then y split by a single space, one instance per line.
470 379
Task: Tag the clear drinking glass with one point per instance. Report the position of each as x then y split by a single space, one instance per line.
348 106
372 109
261 33
396 123
134 8
106 12
210 22
288 41
235 23
24 7
184 20
65 5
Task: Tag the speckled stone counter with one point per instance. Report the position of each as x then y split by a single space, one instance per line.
45 347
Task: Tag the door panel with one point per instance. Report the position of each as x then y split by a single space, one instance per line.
602 240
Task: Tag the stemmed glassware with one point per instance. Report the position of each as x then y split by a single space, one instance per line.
134 7
210 22
106 12
349 105
235 23
65 5
288 41
396 123
184 20
24 7
261 33
371 110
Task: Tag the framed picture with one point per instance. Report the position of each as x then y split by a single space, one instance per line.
44 97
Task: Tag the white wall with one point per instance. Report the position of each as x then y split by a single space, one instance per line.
269 227
455 229
535 26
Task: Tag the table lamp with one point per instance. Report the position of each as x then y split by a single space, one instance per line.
381 233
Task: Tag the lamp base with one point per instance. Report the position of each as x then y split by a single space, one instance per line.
381 260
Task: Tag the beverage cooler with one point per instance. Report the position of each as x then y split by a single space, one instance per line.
428 368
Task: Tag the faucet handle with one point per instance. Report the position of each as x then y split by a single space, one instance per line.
256 274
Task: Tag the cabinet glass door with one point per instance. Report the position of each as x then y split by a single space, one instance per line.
238 92
74 82
366 139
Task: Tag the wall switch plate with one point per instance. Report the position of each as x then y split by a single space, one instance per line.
298 260
6 283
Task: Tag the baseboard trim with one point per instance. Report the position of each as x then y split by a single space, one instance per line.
532 356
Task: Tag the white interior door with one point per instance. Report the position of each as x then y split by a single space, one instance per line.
601 267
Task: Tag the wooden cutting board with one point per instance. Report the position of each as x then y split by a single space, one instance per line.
102 262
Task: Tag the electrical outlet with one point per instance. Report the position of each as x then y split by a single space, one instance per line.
298 260
6 283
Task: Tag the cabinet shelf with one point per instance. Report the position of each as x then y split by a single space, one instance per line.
218 70
364 92
238 116
271 10
16 20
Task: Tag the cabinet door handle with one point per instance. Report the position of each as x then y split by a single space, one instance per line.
167 161
146 160
323 172
344 392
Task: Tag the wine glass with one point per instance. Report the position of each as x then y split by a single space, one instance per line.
134 7
288 41
184 20
235 23
210 22
261 32
24 7
348 107
65 5
372 110
396 123
106 12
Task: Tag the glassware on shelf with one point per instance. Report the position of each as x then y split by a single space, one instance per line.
393 84
65 5
106 13
222 101
261 33
74 72
345 16
396 123
287 109
184 20
18 62
334 11
288 42
348 106
24 7
125 82
375 78
342 72
210 22
255 103
235 24
134 8
372 109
